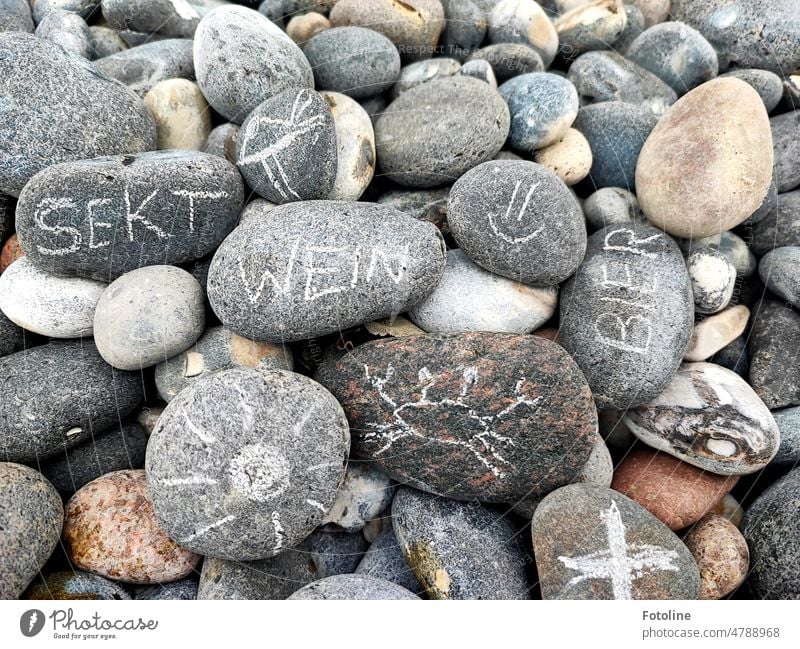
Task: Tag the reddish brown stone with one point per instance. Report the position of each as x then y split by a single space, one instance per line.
721 553
10 253
677 493
111 530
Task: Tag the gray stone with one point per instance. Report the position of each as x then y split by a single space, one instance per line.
786 146
734 248
352 587
509 59
84 8
543 106
287 149
246 463
168 17
635 25
104 217
734 357
222 141
147 316
522 21
15 16
627 314
788 420
420 145
593 25
422 407
365 493
594 543
68 30
464 28
241 59
58 307
59 394
424 204
612 206
774 336
480 70
608 76
7 208
51 113
767 84
11 336
105 41
335 553
459 550
31 515
75 584
384 559
768 206
316 267
469 298
778 228
772 529
677 54
143 66
415 74
185 589
616 132
218 349
355 61
711 418
120 447
518 219
713 279
273 9
747 33
779 269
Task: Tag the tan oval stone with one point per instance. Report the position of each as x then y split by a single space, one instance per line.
570 157
301 28
721 553
707 165
110 529
730 509
676 493
717 331
183 119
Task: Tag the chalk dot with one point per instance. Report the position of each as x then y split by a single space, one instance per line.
259 472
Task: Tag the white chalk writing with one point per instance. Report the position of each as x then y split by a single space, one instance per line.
512 222
626 241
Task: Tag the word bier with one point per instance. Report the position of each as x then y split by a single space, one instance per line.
102 217
327 270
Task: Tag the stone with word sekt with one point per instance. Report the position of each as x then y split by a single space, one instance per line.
49 118
518 219
59 394
287 148
30 526
627 314
246 463
459 550
710 417
104 217
315 267
594 543
490 417
352 587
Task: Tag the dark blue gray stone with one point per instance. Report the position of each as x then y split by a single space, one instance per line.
168 17
384 559
352 587
68 30
774 374
143 66
633 27
77 585
84 8
788 420
311 268
58 98
734 356
786 146
771 527
616 132
509 59
59 394
780 227
355 61
464 28
608 76
185 589
767 84
779 269
11 336
104 217
542 106
627 314
287 149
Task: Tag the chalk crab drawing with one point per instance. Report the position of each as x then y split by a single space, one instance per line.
487 445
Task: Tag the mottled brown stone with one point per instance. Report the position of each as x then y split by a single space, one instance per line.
10 253
721 553
492 417
675 492
111 530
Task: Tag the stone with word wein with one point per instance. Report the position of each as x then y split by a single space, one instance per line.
594 543
627 314
103 217
314 267
245 463
490 417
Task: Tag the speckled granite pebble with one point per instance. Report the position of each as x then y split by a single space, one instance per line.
143 66
773 344
385 559
68 30
75 585
509 59
352 587
721 553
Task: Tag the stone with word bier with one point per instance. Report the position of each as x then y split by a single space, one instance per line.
483 416
315 267
594 543
103 217
627 314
